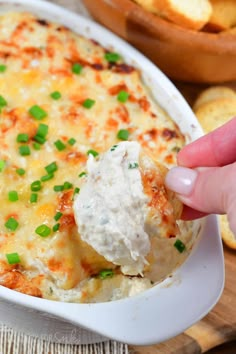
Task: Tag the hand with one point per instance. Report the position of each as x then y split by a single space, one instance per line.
206 180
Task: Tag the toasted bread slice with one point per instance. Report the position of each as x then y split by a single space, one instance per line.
213 114
213 93
223 15
226 234
148 5
188 14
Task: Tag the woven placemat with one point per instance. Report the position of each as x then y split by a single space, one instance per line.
12 342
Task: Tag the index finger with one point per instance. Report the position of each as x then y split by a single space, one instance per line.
217 148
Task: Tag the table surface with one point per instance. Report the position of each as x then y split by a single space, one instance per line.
190 92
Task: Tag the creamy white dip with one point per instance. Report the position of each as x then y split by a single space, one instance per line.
111 208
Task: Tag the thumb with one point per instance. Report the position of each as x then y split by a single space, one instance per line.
211 190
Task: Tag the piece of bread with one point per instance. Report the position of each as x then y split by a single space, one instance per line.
223 15
192 14
148 5
213 93
215 113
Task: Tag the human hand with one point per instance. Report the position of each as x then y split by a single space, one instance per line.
205 179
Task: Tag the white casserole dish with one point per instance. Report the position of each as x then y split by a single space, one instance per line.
169 307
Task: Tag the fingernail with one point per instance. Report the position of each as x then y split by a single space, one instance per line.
181 180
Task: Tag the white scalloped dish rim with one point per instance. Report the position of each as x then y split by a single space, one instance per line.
169 307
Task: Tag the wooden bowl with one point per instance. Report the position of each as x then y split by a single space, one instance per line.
180 53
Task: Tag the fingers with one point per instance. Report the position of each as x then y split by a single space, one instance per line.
217 148
208 190
191 214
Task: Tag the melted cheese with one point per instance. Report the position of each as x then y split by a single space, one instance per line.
39 57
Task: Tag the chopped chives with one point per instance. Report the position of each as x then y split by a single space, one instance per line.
33 198
13 258
20 171
88 103
43 230
2 165
36 146
3 68
76 68
37 112
3 102
123 134
82 174
56 95
59 145
123 96
22 138
24 150
56 227
57 216
35 186
42 130
76 191
39 139
92 152
133 165
52 167
13 196
67 185
106 273
114 147
47 177
11 224
58 188
112 57
71 141
179 245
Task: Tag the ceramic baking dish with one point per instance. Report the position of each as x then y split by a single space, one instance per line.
169 307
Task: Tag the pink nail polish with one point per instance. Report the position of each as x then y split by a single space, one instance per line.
181 180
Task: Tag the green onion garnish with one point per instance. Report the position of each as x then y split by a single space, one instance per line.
11 224
76 191
123 96
179 245
133 165
51 168
43 230
37 112
20 171
42 130
33 198
56 95
36 146
47 177
3 102
22 138
112 57
82 174
56 227
3 68
58 188
67 185
123 134
71 141
2 165
59 145
13 196
35 186
106 273
92 152
76 68
24 150
114 147
40 140
13 258
88 103
57 216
